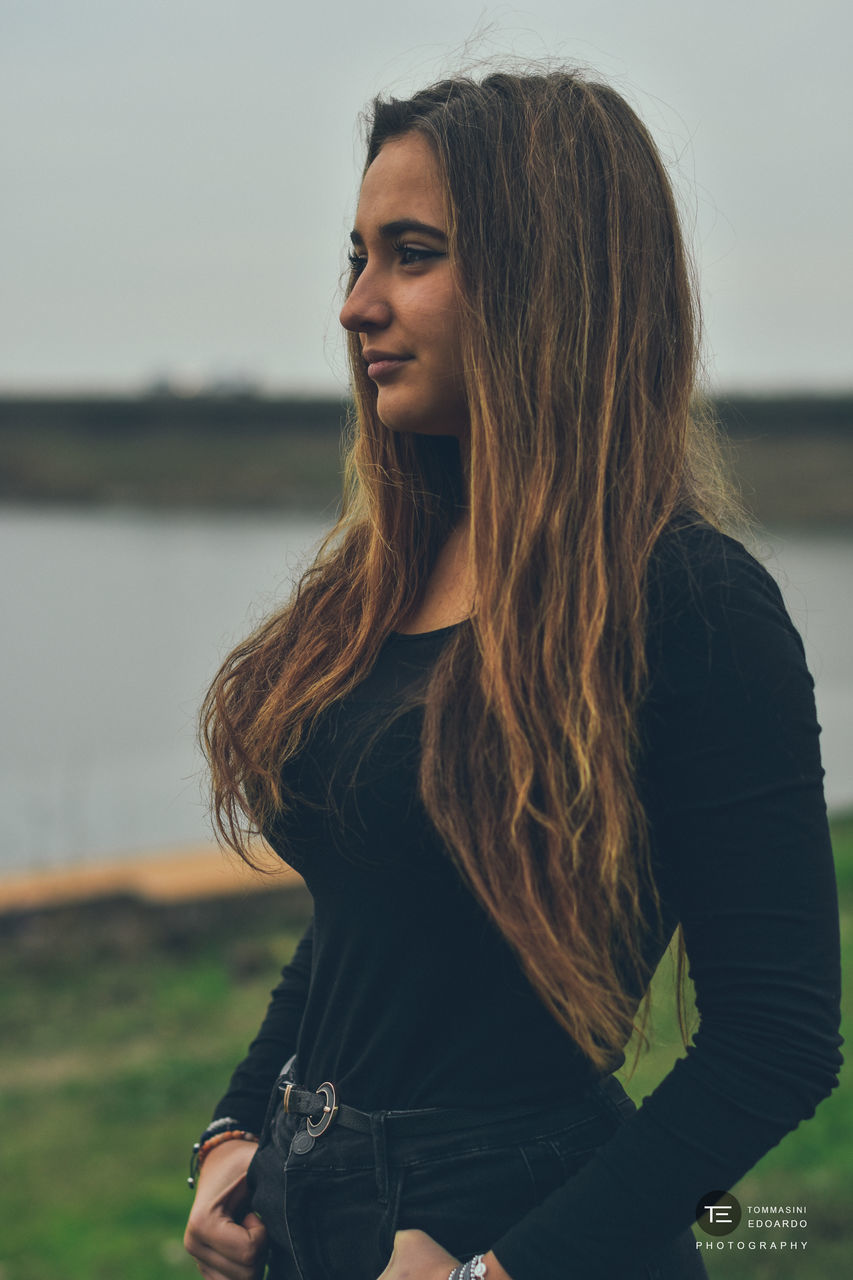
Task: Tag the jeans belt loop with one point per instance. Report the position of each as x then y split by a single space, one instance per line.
379 1135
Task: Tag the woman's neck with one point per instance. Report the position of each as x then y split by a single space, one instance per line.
448 595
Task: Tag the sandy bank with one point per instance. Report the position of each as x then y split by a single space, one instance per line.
183 873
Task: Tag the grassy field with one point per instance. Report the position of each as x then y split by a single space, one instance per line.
120 1028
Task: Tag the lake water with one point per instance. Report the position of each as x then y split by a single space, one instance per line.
115 622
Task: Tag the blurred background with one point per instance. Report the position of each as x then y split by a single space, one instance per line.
179 183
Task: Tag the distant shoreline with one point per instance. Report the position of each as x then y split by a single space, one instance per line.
182 874
791 455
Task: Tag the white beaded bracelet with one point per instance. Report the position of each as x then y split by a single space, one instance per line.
474 1269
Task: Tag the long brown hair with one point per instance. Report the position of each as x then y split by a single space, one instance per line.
580 353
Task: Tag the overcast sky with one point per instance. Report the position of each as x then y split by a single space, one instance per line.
179 176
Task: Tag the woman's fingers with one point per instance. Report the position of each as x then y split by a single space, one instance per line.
256 1229
417 1256
213 1266
234 1249
214 1273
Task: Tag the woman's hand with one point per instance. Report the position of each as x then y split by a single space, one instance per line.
417 1256
226 1244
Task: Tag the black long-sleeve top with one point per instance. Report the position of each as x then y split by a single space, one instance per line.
401 980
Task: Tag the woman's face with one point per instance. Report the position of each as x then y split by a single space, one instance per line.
404 304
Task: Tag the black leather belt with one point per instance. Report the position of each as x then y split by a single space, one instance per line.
322 1109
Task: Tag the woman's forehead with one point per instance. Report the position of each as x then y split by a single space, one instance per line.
402 184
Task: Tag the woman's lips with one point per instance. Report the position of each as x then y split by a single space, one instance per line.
384 366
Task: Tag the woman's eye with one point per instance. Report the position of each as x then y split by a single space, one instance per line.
409 255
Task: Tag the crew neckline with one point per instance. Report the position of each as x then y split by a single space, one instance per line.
422 635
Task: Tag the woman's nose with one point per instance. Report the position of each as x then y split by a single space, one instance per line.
366 307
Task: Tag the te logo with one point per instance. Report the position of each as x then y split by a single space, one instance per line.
718 1213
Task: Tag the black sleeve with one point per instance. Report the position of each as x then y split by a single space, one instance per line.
251 1083
734 785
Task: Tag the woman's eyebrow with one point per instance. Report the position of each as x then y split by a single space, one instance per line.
389 230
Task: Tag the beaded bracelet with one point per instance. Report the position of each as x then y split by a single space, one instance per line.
474 1269
215 1126
206 1144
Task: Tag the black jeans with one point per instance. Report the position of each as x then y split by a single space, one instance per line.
331 1212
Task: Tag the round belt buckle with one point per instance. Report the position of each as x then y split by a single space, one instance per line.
330 1110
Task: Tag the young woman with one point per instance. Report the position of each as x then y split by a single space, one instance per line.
529 711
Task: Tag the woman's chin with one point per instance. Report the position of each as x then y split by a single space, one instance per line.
408 423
